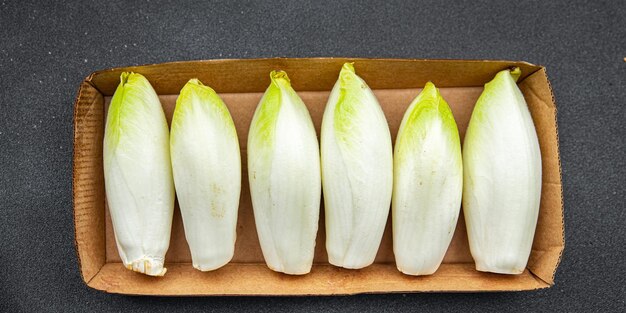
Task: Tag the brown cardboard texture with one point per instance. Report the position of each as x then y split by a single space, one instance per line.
241 84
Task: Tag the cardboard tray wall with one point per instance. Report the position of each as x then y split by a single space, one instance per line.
241 84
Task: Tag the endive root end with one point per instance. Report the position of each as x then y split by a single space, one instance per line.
414 272
290 271
207 267
498 269
148 266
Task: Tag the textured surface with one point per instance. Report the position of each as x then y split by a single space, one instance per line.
45 52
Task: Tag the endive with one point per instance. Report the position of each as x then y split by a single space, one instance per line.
428 183
207 174
138 175
356 171
284 175
502 177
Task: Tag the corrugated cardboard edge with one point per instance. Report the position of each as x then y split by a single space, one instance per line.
550 258
558 148
82 239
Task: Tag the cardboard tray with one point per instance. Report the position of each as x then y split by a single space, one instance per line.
241 83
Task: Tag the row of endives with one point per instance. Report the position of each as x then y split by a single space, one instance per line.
497 176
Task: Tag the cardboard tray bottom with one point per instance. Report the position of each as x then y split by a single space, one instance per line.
324 279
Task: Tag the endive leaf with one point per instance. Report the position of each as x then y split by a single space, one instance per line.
284 175
207 173
502 177
356 171
138 175
428 180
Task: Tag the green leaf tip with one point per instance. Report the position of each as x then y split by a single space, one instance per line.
266 114
280 76
195 81
427 109
430 89
195 92
503 82
124 77
429 104
347 73
133 98
197 85
348 66
353 100
516 72
198 100
131 78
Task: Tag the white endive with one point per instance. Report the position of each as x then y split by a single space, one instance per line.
502 177
207 174
284 175
356 172
138 175
428 183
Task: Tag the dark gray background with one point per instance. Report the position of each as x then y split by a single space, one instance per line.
46 50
